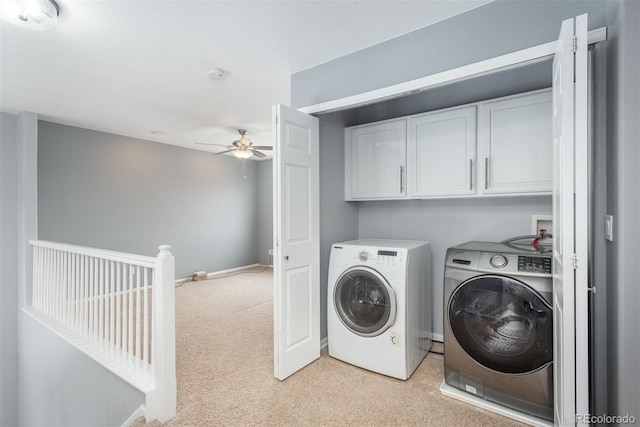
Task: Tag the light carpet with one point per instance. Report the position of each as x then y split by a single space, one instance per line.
224 357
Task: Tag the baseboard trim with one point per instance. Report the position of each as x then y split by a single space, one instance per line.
229 271
437 337
215 274
140 412
324 342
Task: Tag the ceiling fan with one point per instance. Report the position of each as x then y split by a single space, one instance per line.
242 148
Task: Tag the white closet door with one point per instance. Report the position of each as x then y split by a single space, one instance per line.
570 208
297 243
441 153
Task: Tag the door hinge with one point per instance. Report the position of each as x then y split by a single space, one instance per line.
575 43
574 261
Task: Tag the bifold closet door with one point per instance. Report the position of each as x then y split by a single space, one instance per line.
571 231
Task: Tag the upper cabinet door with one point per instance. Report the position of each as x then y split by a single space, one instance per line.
375 157
515 145
441 153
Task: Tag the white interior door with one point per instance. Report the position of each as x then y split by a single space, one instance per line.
570 210
297 248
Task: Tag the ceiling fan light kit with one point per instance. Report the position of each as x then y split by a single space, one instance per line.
242 148
37 15
242 154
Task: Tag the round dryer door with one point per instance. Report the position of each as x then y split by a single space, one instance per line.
502 324
364 301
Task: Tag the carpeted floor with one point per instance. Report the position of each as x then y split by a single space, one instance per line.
224 351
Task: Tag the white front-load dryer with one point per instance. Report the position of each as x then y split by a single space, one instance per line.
379 313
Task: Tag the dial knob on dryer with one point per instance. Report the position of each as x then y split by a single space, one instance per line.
363 256
499 261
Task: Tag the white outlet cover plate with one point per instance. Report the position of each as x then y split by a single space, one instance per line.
608 227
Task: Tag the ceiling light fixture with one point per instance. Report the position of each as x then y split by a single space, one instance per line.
38 15
242 154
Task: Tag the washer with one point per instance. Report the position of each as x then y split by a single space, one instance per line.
498 325
379 313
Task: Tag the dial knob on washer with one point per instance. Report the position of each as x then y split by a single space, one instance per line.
499 261
363 256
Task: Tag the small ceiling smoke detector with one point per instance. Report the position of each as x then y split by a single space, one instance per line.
217 74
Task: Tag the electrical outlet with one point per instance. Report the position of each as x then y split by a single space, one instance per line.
608 227
271 252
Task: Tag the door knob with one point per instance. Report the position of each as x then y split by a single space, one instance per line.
286 257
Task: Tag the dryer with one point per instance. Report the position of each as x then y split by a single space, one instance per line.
498 325
379 312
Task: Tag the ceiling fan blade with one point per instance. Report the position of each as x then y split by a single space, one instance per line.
262 147
223 152
209 143
258 154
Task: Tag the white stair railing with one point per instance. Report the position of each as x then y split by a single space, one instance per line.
116 307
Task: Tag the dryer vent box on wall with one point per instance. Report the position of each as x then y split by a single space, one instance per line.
541 222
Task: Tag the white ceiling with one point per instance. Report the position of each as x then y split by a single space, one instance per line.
131 67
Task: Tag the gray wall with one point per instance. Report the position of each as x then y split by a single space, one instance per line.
8 271
338 219
61 386
494 29
265 211
112 192
623 191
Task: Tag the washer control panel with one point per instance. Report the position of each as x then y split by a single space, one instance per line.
507 263
380 257
534 264
386 257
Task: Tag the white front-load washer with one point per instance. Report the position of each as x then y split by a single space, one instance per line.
379 309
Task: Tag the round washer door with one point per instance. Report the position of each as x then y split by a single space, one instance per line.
364 301
502 324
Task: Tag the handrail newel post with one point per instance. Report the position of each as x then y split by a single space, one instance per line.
163 356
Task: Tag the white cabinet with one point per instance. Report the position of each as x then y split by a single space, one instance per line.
441 153
375 159
515 145
496 147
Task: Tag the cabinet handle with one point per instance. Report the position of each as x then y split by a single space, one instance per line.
401 179
486 173
471 174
